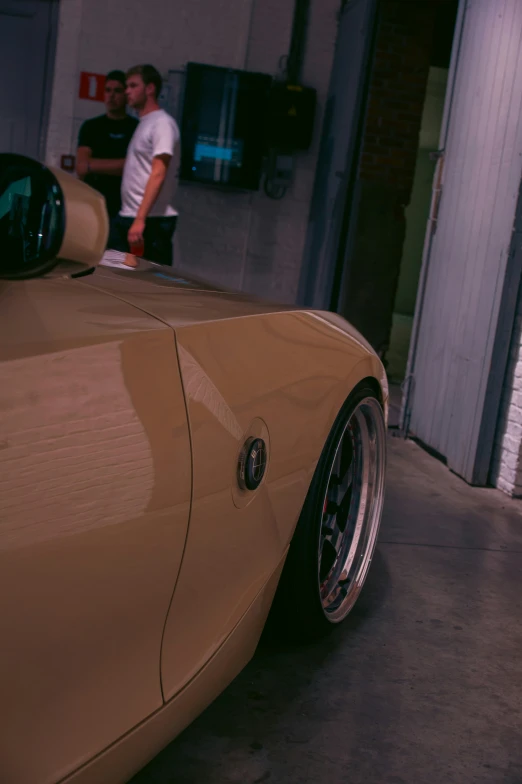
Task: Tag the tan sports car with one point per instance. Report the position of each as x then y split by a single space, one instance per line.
172 457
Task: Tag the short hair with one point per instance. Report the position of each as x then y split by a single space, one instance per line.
149 74
116 76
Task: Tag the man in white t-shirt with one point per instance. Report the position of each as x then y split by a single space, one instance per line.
147 219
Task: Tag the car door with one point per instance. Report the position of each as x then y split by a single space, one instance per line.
95 478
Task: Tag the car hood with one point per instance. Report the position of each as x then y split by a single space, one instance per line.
175 299
180 301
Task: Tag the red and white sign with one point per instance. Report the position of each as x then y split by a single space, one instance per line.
92 86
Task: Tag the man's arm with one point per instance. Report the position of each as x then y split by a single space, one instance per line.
160 164
86 164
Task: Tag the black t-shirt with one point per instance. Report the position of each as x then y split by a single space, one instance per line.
107 139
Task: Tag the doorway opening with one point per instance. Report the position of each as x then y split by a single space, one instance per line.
387 209
417 211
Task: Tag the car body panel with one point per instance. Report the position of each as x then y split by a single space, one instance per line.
95 481
282 377
100 632
249 370
130 753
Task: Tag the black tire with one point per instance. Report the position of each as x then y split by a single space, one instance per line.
303 608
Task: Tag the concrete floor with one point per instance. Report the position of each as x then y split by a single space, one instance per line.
423 685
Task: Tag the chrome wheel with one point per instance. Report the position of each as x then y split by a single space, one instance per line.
351 509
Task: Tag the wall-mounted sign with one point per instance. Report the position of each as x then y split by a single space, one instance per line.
92 86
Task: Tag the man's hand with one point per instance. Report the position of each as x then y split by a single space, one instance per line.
160 164
82 168
135 235
86 164
83 159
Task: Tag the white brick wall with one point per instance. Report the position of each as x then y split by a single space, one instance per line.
245 241
507 460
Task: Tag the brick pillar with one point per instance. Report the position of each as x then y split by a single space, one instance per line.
387 165
506 466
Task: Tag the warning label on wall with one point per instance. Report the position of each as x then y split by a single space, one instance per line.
92 86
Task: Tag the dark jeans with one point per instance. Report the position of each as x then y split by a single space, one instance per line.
157 236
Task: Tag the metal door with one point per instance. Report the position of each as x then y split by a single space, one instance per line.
337 155
27 29
469 282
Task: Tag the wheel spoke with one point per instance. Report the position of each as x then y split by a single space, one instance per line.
335 511
346 455
332 534
344 509
351 509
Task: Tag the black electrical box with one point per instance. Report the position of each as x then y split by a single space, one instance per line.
223 126
291 116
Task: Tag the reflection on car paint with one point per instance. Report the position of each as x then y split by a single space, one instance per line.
200 388
54 444
171 279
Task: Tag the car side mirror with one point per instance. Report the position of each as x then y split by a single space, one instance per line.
47 216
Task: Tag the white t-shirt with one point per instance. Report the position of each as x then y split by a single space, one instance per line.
157 134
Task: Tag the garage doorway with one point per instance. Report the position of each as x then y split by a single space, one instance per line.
27 46
416 214
418 210
386 209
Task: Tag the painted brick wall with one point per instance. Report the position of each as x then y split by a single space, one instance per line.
245 241
397 92
506 471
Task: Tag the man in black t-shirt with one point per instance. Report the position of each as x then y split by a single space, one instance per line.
103 142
